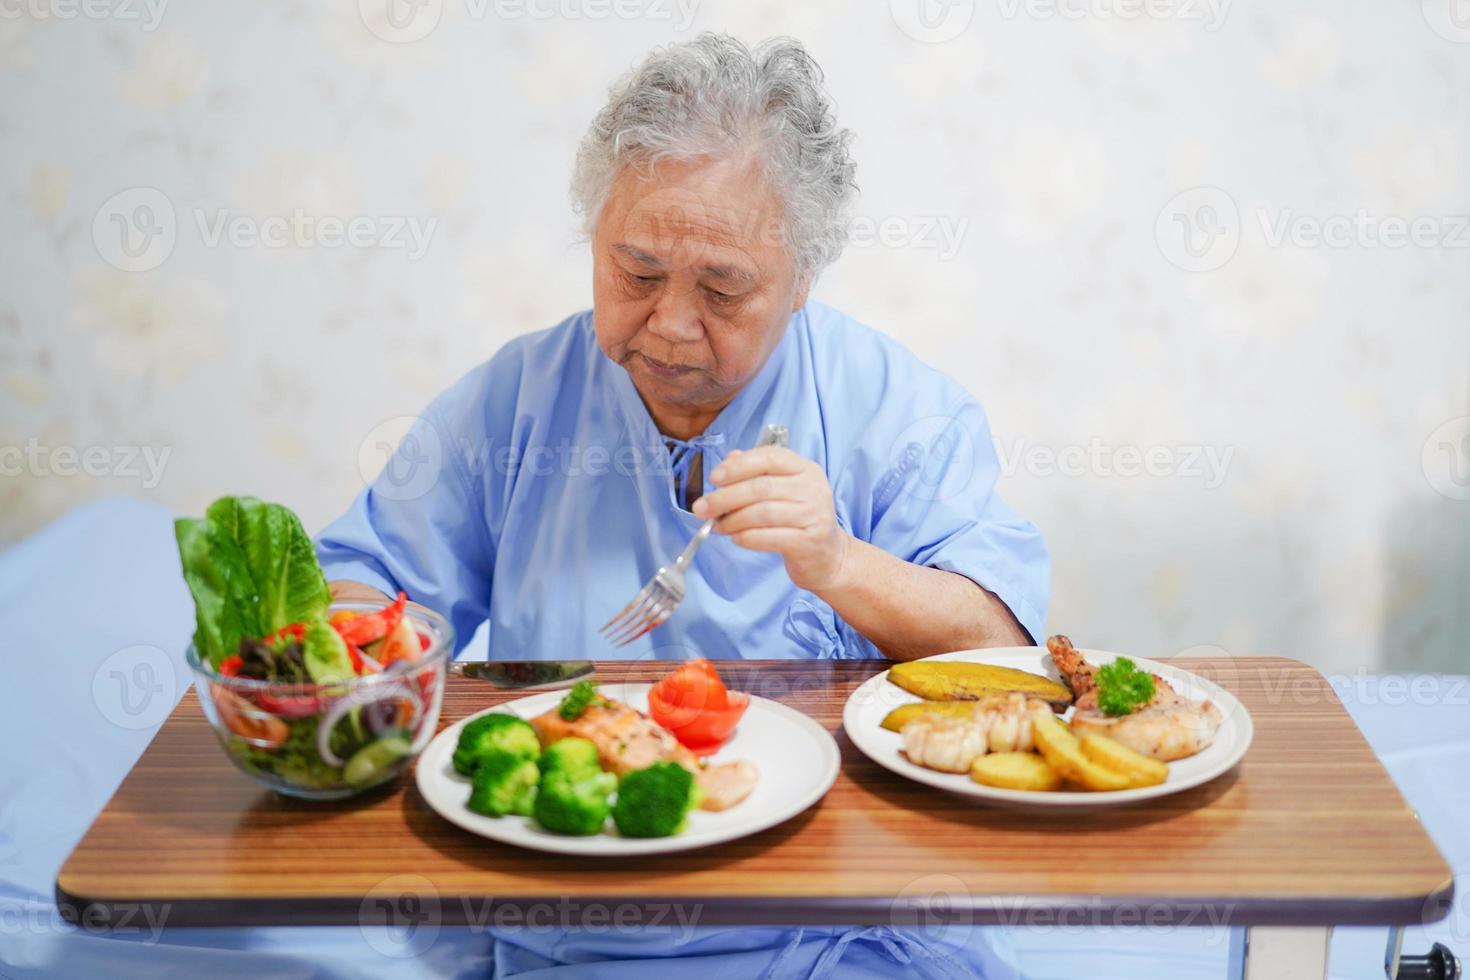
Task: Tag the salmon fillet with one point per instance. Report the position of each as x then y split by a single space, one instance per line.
627 740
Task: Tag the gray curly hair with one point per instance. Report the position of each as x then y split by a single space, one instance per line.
712 96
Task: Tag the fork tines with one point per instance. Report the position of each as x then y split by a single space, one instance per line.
649 608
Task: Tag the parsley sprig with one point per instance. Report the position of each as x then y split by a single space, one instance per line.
1122 688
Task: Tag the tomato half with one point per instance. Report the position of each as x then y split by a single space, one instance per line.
694 704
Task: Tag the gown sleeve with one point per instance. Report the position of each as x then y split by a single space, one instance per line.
426 525
916 474
936 504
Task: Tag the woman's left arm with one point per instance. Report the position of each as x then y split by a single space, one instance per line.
910 611
773 499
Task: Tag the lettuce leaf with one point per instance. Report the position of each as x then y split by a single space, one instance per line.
325 653
251 569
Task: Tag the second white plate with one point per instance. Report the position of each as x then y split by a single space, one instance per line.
863 715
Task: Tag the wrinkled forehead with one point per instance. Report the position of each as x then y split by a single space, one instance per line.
710 217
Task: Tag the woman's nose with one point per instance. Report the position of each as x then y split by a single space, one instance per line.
675 316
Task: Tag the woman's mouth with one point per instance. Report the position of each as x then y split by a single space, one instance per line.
662 370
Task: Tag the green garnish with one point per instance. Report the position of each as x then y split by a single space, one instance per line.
581 697
1122 688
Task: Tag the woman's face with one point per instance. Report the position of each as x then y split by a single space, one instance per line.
692 285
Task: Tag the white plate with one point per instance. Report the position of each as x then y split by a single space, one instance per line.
796 758
863 715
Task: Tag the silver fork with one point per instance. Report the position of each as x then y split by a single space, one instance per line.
657 600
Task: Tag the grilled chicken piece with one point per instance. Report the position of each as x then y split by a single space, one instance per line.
1169 727
950 744
627 740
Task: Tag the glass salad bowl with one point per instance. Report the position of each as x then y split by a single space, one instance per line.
327 741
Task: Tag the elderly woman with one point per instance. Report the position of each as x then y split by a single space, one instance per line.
540 491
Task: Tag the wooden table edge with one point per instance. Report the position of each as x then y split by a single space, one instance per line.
1190 911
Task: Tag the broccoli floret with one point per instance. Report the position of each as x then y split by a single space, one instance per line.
575 756
494 732
582 696
574 804
655 802
504 783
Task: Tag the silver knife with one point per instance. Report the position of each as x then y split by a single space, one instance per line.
517 675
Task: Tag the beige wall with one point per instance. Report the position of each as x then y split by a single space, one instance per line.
1296 401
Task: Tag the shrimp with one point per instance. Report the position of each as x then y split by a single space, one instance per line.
945 744
726 784
950 744
1074 668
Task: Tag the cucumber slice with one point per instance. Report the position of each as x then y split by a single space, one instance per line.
368 763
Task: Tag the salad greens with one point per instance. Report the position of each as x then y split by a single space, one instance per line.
261 606
1122 688
252 570
297 760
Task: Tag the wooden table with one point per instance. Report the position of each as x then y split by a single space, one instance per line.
1308 832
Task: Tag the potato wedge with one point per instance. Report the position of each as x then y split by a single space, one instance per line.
955 681
1016 770
1063 752
905 713
1109 754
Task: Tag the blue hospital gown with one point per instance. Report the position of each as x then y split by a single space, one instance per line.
538 495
